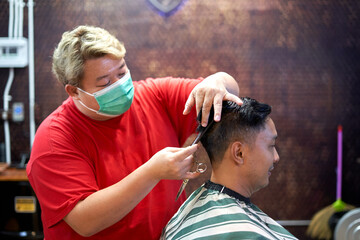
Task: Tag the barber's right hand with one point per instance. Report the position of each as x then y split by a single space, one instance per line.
173 163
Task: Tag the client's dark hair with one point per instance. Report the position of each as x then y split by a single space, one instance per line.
238 123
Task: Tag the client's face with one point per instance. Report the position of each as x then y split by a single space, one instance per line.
261 156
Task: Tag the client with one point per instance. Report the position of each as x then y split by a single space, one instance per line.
242 152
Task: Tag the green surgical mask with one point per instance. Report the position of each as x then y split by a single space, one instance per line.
115 99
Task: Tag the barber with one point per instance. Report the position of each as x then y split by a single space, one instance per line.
108 162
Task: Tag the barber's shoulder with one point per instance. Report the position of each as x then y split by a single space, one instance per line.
153 83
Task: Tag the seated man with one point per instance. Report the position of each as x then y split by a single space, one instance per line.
242 152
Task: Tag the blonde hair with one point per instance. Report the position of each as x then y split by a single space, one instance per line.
79 45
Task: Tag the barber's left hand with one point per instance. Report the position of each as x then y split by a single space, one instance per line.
213 90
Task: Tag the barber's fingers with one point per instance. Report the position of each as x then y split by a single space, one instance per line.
178 163
203 98
189 103
218 101
183 153
191 175
234 98
207 105
212 98
197 97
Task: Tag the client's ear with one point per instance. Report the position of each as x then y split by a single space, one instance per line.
237 149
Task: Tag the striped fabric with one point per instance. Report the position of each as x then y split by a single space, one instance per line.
209 214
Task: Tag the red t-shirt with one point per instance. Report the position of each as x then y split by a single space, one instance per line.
74 156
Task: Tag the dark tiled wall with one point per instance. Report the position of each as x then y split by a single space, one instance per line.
302 57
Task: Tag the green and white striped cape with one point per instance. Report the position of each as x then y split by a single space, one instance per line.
211 214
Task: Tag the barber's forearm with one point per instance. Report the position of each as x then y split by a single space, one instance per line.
103 208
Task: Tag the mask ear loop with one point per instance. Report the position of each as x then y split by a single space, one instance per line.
90 94
97 112
83 104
